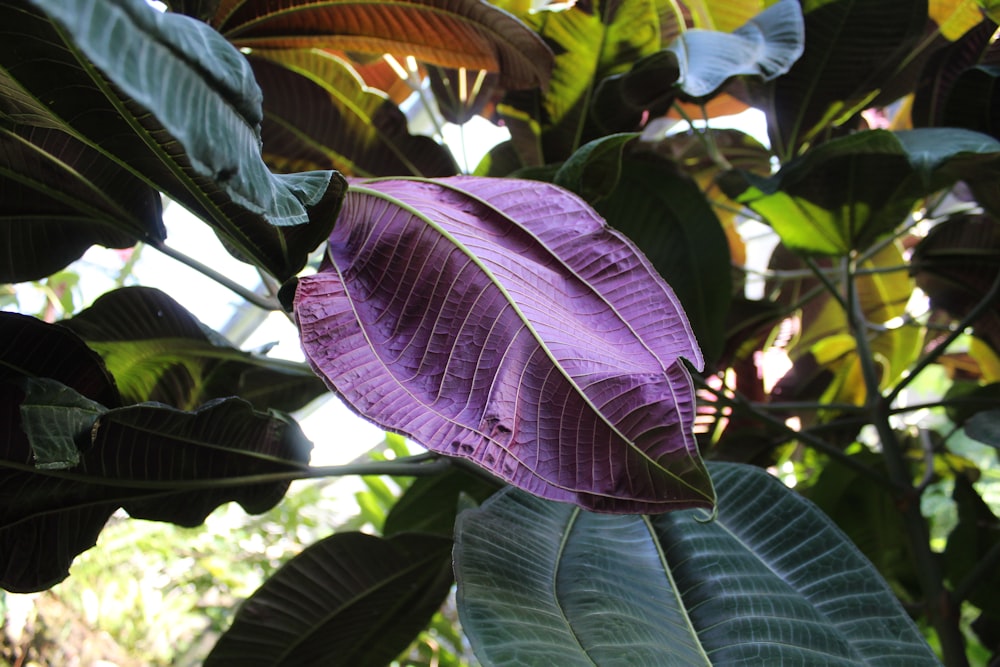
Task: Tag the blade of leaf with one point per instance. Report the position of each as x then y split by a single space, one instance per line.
163 66
450 33
770 581
351 599
501 321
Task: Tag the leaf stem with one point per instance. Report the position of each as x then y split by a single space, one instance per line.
251 296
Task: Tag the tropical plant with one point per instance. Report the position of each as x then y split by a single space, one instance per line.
579 334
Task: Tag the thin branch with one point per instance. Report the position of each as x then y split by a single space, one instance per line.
251 296
939 349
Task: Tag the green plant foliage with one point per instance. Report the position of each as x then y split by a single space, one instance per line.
751 584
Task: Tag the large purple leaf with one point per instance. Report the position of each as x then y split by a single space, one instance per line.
502 321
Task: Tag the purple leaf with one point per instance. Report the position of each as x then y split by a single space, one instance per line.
504 322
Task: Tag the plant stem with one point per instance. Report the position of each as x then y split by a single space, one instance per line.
940 607
251 296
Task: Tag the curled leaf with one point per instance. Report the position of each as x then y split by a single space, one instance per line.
504 322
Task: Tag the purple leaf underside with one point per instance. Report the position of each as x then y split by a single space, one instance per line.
502 321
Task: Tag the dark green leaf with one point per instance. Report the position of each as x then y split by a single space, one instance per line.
430 504
164 68
351 599
158 351
593 171
770 581
666 215
851 50
985 427
156 462
846 193
54 417
977 531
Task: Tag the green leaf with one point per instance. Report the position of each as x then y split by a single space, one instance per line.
54 417
156 462
847 193
769 581
666 215
985 427
766 46
592 40
977 532
593 171
182 115
351 599
318 114
852 49
431 504
158 351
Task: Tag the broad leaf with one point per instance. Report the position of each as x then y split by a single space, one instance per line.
164 68
156 462
852 50
765 46
664 213
450 33
318 115
592 40
594 170
956 264
431 503
158 351
769 581
848 192
351 599
501 321
53 417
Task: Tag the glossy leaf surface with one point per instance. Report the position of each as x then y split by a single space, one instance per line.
351 599
166 67
502 321
769 581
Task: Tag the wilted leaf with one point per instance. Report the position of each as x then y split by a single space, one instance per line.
501 321
351 599
770 581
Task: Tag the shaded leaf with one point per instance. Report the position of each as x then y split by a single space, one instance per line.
985 427
770 581
852 49
53 417
158 351
847 193
955 265
164 67
977 531
664 213
350 599
449 311
594 170
462 94
156 462
450 33
430 504
766 46
319 115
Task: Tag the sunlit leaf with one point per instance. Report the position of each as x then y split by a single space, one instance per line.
501 321
848 192
769 581
158 351
351 599
450 33
318 115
